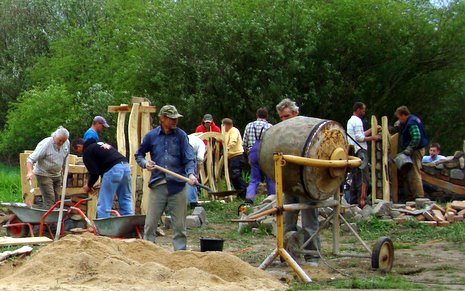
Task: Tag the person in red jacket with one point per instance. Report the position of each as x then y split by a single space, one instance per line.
207 124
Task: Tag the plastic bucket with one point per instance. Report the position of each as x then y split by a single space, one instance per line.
403 162
211 244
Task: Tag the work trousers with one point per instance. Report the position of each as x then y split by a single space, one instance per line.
174 205
50 187
309 217
235 175
413 184
359 177
256 176
116 180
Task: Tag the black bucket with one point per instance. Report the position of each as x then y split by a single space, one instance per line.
211 244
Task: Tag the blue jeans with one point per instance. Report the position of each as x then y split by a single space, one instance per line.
175 206
116 180
192 194
256 176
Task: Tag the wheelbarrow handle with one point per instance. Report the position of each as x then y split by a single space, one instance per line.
185 179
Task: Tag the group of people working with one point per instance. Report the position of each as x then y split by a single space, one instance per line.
171 148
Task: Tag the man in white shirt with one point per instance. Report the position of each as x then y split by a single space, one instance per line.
358 137
199 151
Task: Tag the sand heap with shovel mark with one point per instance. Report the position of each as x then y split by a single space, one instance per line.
88 262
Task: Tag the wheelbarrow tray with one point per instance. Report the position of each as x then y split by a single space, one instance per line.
118 225
29 214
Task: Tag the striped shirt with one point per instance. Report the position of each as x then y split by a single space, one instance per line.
253 132
48 159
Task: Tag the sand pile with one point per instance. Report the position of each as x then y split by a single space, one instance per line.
87 262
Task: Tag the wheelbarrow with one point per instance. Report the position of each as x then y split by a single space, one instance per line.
119 226
25 217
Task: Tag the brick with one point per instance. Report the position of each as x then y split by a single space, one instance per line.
461 213
450 216
193 221
456 174
458 205
201 213
421 203
429 216
435 206
443 223
430 223
420 217
438 214
458 218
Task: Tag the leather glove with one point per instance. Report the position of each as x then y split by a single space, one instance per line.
408 151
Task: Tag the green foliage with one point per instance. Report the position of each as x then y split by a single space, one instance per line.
230 57
10 184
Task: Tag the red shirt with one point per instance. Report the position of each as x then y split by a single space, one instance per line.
202 128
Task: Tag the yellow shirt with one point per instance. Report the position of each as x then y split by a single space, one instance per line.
233 141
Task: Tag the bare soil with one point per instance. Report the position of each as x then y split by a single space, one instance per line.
86 262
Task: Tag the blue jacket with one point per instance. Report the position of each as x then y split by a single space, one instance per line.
406 138
171 151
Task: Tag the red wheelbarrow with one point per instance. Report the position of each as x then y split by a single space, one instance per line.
25 217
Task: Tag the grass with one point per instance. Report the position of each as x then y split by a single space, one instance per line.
411 232
10 184
384 282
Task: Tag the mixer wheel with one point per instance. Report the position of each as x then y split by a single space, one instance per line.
382 257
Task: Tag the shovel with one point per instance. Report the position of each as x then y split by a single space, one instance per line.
209 190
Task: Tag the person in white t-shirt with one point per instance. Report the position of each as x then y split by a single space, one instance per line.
358 137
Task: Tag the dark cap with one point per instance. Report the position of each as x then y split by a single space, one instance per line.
169 111
101 120
208 118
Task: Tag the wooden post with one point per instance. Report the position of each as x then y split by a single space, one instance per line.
133 133
394 142
121 126
145 127
374 131
385 165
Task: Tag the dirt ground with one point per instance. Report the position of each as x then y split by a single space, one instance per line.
436 264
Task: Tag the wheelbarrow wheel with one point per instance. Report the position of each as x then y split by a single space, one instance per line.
16 230
382 257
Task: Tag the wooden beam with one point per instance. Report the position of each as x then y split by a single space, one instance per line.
146 108
442 184
10 241
134 141
120 108
394 142
385 165
121 132
374 131
145 127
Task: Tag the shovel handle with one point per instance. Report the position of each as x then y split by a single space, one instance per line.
181 177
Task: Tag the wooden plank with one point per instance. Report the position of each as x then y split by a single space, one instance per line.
145 127
120 108
28 197
460 190
121 132
77 169
134 139
147 109
394 143
385 166
10 241
374 131
92 205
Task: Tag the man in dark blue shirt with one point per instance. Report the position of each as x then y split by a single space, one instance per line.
169 148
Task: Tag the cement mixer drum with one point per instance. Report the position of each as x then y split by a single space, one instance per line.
306 137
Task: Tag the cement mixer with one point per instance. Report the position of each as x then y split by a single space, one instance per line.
308 157
310 138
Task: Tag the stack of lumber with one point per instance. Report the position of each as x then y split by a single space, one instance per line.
434 215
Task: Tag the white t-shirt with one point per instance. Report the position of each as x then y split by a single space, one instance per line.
199 147
355 130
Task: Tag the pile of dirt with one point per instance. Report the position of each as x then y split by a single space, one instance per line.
87 262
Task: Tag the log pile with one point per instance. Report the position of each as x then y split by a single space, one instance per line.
432 214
